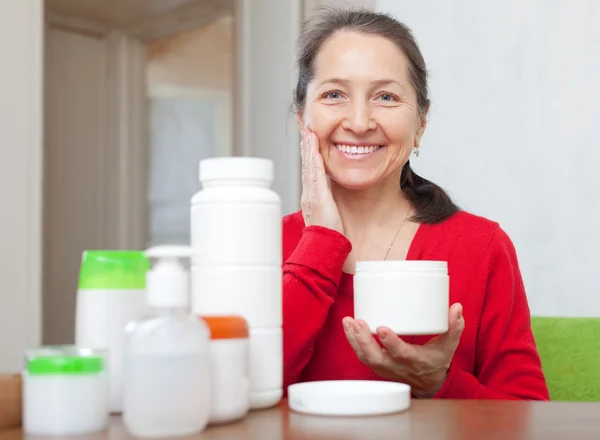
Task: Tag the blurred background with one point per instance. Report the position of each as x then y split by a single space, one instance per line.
107 106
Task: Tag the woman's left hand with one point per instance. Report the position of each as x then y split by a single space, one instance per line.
423 367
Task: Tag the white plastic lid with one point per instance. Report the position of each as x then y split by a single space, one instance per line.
401 266
236 168
167 283
349 397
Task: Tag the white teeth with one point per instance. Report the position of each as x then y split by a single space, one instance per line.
350 149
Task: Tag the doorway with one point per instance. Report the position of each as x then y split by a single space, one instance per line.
136 93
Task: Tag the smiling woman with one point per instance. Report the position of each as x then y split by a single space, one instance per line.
362 104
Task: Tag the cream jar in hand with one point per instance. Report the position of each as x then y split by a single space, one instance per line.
409 297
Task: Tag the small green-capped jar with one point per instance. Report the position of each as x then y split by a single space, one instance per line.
64 360
65 391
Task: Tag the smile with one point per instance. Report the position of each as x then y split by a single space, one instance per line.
360 150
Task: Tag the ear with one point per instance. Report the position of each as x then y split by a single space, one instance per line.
422 126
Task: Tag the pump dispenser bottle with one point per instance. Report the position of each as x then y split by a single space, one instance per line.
167 369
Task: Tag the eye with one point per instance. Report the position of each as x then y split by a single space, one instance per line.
333 94
388 97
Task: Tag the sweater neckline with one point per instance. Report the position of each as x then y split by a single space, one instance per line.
414 252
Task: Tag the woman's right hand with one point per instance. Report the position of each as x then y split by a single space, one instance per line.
318 206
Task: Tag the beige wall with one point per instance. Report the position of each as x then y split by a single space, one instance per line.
21 77
200 58
74 169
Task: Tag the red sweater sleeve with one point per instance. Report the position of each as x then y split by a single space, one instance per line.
311 275
507 362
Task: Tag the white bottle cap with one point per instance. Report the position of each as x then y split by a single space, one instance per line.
236 168
167 283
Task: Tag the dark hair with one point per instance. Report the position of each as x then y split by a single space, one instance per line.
431 203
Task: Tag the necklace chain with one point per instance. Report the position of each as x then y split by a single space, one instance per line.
396 236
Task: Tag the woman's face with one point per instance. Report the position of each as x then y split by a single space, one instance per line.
363 109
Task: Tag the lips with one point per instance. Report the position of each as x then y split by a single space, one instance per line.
357 150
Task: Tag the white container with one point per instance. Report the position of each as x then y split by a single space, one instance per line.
266 367
409 297
167 389
236 269
253 292
65 392
110 295
230 359
236 217
349 397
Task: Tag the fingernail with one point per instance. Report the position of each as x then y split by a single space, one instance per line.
356 327
381 333
460 311
346 325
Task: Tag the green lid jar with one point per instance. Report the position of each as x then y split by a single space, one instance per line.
64 360
65 391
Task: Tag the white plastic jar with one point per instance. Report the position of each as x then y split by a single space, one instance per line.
230 359
409 297
236 234
65 392
111 294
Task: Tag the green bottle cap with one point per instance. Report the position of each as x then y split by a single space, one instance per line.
64 362
106 269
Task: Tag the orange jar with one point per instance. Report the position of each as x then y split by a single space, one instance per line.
230 392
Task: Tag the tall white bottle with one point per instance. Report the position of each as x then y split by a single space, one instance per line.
167 368
236 268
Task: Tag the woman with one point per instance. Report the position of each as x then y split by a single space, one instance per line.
362 105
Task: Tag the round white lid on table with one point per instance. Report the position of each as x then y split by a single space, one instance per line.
349 397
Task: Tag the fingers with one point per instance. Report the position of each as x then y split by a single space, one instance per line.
363 343
307 147
456 322
396 347
314 158
456 325
304 155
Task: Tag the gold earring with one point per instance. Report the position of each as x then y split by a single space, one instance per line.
416 151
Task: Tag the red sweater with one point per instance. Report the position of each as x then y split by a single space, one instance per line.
496 357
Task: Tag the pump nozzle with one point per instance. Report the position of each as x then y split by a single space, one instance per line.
167 283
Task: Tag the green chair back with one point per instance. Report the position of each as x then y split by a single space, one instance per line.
570 352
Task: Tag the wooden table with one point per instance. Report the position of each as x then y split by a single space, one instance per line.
426 419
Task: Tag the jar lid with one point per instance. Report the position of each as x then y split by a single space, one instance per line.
401 266
65 361
236 168
113 269
226 327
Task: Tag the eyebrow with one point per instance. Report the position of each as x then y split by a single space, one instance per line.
377 83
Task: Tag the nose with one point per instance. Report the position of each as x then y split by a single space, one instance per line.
359 118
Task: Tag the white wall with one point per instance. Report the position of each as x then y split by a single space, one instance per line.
21 44
513 132
266 33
